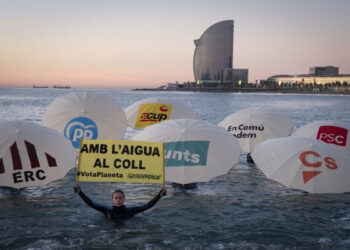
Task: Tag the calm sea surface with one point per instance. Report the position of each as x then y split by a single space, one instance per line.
240 210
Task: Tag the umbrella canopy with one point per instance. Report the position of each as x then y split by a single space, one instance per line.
304 163
332 132
86 115
195 151
33 155
254 125
150 111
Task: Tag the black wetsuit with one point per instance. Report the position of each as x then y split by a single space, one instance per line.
122 212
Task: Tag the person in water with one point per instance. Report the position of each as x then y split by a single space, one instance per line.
250 158
119 210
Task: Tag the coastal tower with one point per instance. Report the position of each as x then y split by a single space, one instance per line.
213 53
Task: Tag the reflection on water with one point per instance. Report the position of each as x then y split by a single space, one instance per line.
240 210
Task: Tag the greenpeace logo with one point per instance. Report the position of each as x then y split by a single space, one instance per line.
80 128
186 153
332 134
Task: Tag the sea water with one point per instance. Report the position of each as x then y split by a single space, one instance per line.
240 210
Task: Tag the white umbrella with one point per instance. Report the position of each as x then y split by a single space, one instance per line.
332 132
255 125
33 155
86 115
195 151
304 163
150 111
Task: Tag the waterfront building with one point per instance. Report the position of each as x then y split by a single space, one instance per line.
324 71
212 61
328 75
240 76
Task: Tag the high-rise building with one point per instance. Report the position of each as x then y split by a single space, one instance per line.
212 62
213 52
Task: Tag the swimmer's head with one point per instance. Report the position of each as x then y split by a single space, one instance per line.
118 198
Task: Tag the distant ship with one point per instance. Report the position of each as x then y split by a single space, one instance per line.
61 87
40 86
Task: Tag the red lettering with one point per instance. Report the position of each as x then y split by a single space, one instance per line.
306 163
330 163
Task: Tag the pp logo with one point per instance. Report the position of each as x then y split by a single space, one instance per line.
80 128
332 134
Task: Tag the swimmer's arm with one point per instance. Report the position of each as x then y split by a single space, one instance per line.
150 204
92 204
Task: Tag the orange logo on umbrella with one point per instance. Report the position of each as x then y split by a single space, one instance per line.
329 162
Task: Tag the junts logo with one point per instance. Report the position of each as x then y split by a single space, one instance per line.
332 134
314 160
18 174
186 153
80 128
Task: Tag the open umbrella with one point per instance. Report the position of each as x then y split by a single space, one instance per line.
255 125
332 132
150 111
88 115
195 151
33 155
304 163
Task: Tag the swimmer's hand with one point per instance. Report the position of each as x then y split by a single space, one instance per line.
162 192
77 189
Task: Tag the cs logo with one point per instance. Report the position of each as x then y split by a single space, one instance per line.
314 160
80 128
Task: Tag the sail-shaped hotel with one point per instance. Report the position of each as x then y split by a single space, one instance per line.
212 62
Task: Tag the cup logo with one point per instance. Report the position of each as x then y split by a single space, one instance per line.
80 128
332 134
152 113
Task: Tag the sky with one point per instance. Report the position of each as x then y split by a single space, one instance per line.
146 44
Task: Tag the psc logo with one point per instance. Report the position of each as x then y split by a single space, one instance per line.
80 128
332 134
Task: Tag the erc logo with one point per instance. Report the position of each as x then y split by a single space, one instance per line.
36 173
80 128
